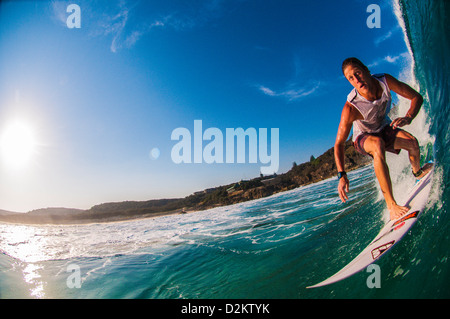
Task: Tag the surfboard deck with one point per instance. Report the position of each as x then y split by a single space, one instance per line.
390 234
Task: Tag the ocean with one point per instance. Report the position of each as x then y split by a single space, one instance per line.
272 247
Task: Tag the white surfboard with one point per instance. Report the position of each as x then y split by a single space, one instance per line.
391 233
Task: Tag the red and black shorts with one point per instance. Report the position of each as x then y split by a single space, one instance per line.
387 134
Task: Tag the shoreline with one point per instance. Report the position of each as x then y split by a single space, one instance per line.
314 171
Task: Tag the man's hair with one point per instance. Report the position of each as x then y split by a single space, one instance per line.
354 62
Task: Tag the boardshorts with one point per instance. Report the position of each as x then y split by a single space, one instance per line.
387 134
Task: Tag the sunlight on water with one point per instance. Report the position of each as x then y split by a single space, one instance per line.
27 244
31 275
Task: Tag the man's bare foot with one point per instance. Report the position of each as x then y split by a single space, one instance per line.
424 170
397 211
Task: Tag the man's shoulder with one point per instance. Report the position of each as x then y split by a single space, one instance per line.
348 106
351 111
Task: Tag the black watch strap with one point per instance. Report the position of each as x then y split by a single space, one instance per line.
341 174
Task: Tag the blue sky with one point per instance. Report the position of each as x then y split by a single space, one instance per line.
99 98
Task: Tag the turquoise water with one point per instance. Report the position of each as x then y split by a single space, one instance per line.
269 248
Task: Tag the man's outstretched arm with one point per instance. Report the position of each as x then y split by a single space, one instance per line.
347 118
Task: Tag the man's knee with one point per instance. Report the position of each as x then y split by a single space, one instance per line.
413 144
408 142
375 146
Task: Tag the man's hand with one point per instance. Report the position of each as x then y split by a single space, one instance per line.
343 188
401 121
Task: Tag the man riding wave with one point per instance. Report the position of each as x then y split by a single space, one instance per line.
374 133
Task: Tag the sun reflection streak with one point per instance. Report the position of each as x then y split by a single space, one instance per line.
31 276
28 245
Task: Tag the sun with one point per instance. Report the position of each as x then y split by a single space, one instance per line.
17 144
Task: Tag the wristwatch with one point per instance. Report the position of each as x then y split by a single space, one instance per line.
341 174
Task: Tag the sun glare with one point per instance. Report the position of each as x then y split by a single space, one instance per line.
17 144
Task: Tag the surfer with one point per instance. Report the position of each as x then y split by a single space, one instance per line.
374 133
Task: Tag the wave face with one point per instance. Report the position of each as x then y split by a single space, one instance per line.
269 248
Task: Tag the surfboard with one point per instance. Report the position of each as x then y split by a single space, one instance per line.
390 234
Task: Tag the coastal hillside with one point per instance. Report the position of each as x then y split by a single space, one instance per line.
315 170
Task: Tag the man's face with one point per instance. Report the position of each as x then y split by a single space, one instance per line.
358 78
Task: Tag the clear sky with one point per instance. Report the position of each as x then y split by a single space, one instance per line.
93 102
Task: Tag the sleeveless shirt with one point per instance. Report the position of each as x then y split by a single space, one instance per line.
375 113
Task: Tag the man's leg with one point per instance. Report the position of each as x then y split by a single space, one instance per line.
406 141
375 146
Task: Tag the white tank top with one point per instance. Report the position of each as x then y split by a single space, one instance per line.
375 113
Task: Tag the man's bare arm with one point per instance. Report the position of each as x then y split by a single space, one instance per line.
409 93
347 117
